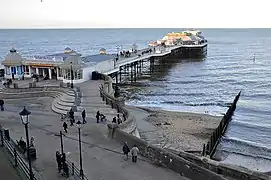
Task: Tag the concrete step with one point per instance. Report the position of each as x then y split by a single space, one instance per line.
62 103
67 99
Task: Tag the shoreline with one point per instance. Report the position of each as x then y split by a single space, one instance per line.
181 130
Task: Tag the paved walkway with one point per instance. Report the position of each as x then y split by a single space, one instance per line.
7 171
102 158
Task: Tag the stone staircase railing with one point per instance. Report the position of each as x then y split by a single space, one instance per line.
106 92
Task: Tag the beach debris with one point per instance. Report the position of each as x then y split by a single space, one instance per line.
167 123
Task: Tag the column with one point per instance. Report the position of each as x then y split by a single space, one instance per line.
50 73
30 72
43 72
37 71
57 72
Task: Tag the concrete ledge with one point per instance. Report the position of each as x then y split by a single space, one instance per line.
163 157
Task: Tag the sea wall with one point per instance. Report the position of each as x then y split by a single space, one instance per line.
107 94
163 157
236 172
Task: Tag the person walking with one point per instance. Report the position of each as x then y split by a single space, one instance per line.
134 152
126 150
98 116
84 116
65 126
58 160
119 119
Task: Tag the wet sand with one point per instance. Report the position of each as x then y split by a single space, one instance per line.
182 130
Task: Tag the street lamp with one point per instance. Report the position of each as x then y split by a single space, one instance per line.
24 114
79 126
71 76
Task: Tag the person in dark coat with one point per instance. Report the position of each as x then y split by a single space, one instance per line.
65 126
2 102
119 119
126 150
71 113
98 116
58 160
66 169
114 120
84 116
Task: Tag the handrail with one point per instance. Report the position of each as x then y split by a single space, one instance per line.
18 159
74 170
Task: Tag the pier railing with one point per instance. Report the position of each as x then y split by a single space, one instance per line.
128 125
210 148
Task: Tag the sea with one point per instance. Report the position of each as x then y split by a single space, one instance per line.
237 60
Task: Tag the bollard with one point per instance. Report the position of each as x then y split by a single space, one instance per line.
118 109
106 101
112 104
72 168
15 158
203 150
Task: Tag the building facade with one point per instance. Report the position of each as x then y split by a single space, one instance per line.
67 66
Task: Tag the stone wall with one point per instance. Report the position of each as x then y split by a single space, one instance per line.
106 92
236 172
163 157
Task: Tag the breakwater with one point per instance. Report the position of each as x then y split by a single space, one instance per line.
210 148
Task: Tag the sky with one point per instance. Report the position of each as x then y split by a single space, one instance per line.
135 14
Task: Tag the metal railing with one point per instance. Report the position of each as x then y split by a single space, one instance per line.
16 158
75 172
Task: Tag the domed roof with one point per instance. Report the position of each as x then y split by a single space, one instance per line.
13 58
68 50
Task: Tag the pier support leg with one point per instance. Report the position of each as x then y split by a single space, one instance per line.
120 73
131 66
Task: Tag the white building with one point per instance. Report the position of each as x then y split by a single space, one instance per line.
61 66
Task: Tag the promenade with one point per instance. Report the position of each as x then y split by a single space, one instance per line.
7 171
102 157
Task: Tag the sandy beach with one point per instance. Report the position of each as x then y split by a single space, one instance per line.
182 130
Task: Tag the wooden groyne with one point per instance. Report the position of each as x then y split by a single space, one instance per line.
210 148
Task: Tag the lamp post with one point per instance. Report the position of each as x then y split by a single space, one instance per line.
79 126
71 76
61 143
24 114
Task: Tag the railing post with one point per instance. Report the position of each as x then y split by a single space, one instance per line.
2 137
72 168
15 158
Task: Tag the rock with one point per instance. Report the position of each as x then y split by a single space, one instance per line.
158 124
167 123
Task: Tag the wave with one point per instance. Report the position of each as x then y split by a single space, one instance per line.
243 147
221 104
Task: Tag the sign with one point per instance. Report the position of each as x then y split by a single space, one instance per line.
41 65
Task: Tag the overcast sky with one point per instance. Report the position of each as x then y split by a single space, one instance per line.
136 13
